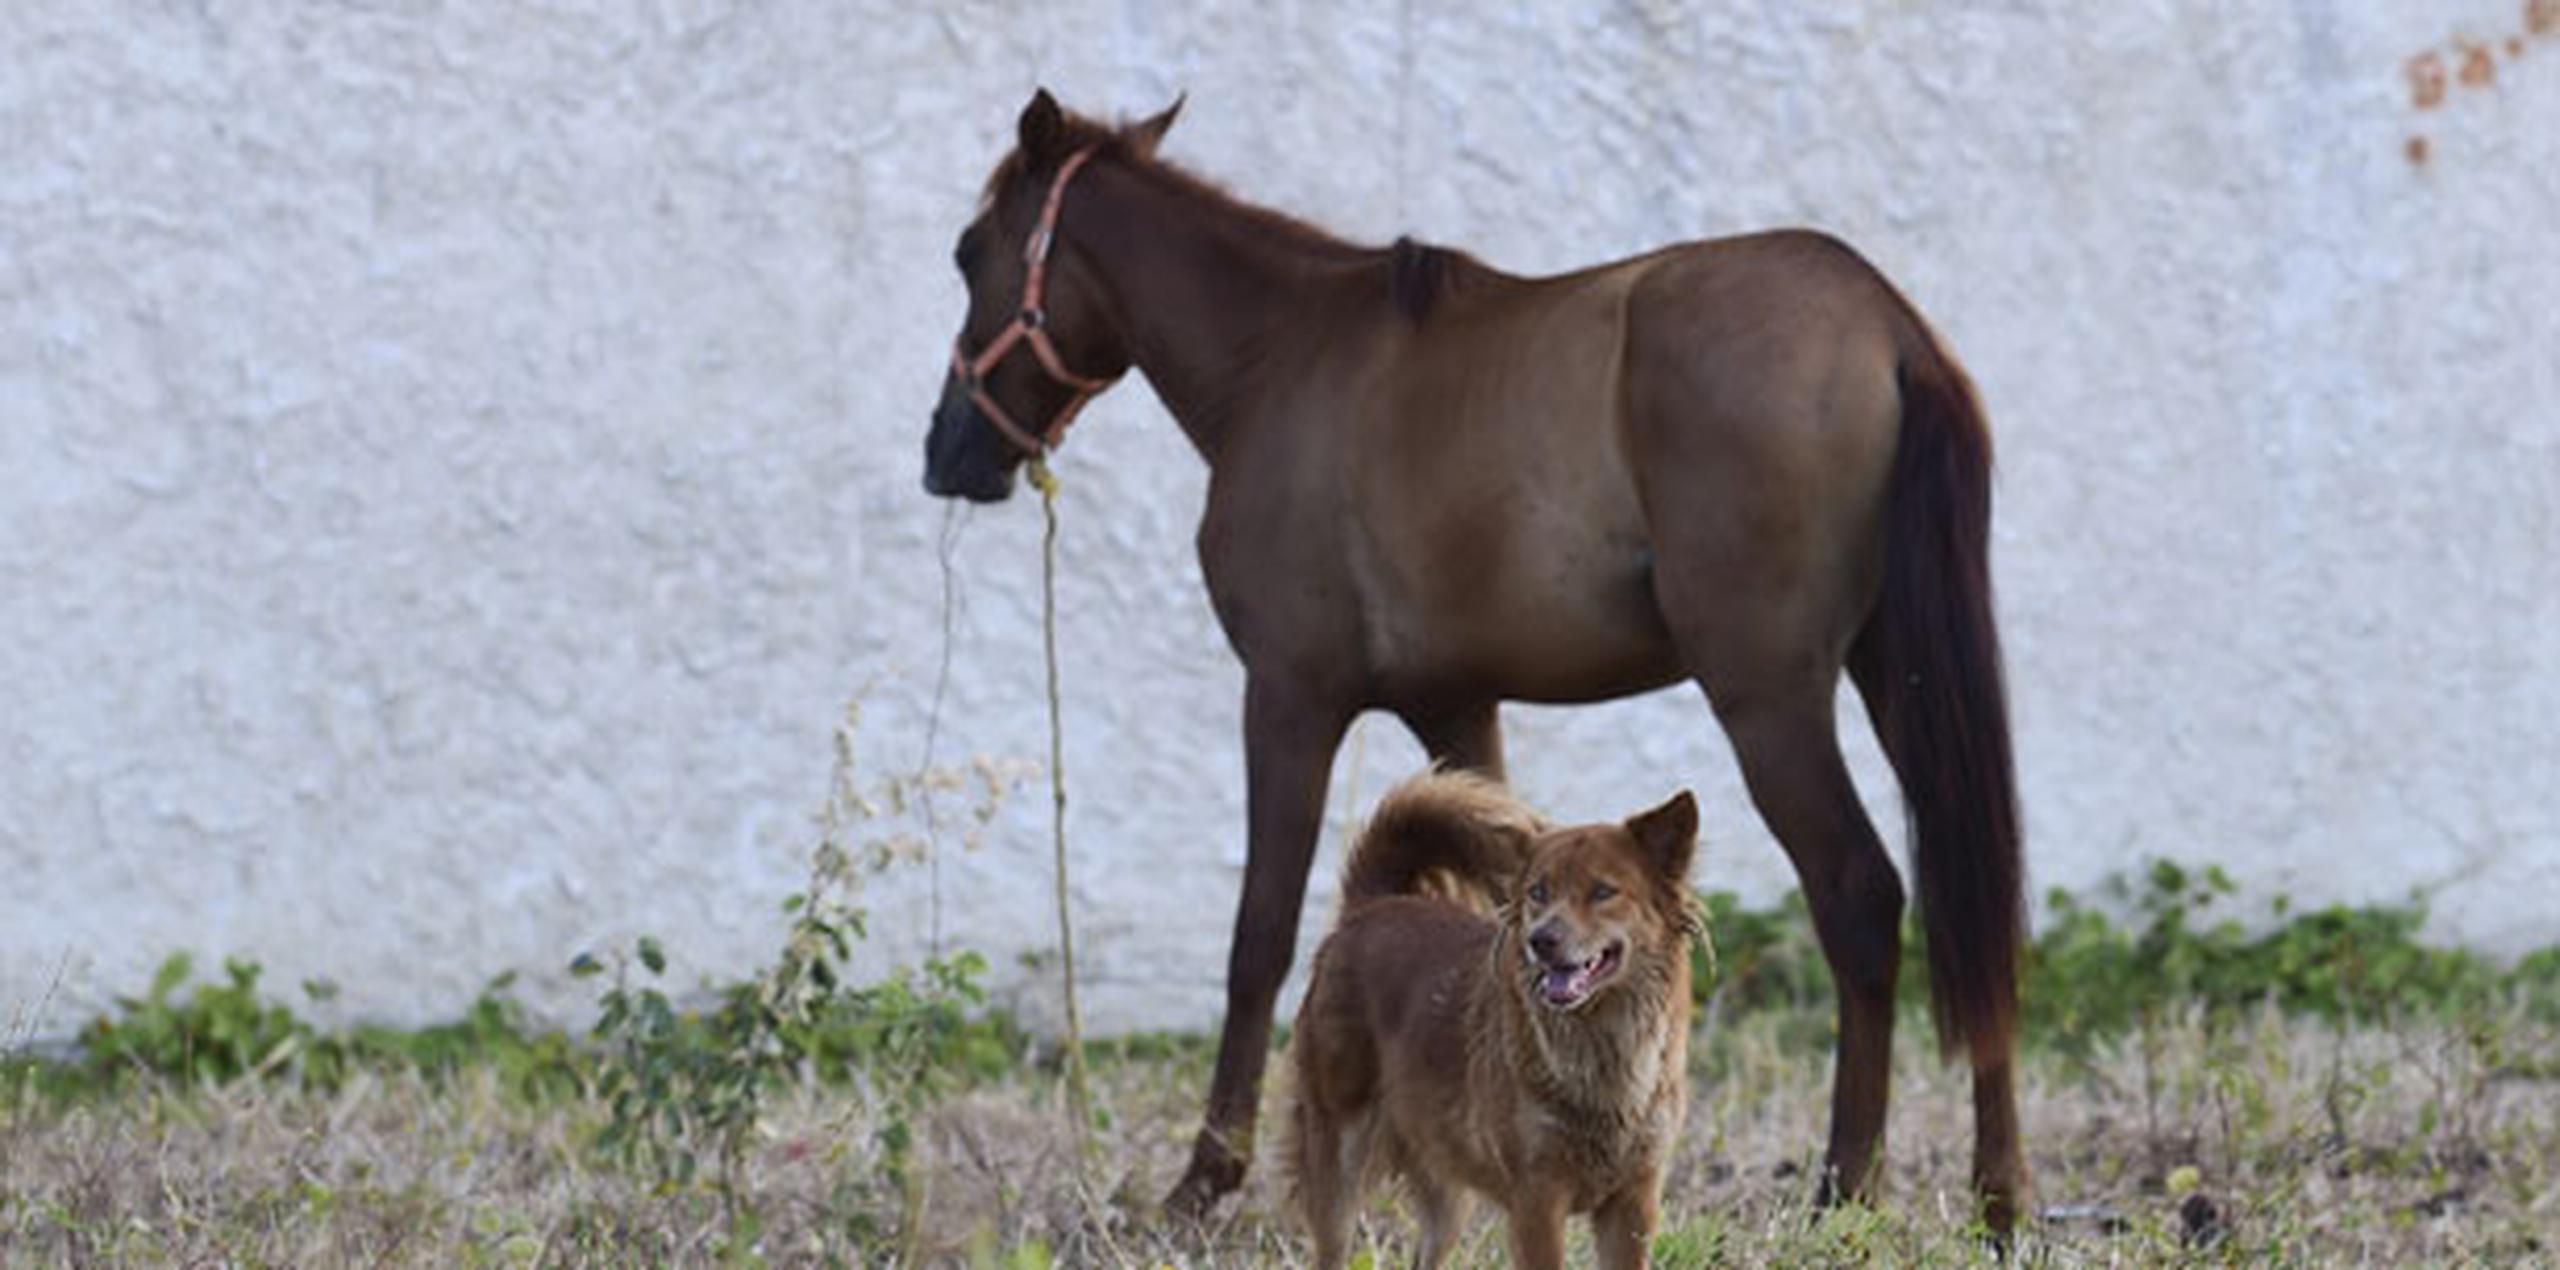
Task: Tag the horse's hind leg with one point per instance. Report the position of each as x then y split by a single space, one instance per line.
1790 755
1769 660
1763 487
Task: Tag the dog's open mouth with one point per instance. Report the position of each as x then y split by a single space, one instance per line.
1569 984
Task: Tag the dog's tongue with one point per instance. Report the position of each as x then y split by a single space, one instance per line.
1565 985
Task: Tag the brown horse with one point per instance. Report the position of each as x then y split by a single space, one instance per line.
1434 487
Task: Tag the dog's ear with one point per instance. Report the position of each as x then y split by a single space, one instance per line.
1669 836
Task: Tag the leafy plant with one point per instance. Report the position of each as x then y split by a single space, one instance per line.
2107 967
218 1034
535 1064
676 1088
228 1030
686 1089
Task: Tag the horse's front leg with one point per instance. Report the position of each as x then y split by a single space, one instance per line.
1290 734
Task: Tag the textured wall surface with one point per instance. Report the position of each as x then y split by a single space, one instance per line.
457 460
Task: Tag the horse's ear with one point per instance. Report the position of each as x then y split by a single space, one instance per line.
1147 134
1042 131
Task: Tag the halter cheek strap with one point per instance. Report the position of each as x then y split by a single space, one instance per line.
1030 326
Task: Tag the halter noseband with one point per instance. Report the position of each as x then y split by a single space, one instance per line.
1029 326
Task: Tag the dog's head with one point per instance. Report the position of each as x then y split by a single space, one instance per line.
1597 900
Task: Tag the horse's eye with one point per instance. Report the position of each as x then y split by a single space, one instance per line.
1603 891
1537 892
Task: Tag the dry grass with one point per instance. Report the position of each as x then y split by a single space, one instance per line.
2264 1143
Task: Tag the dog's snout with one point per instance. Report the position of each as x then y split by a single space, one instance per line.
1543 941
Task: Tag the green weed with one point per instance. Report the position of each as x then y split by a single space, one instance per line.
2106 967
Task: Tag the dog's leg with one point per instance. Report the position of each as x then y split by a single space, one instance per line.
1537 1229
1333 1163
1622 1228
1443 1210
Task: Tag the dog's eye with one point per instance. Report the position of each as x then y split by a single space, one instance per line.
1537 892
1603 891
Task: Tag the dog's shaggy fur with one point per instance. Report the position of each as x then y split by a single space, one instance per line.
1535 1054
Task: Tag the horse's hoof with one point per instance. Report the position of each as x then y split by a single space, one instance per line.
1830 1191
1215 1172
2003 1201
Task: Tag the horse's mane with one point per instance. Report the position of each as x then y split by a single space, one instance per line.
1421 273
1416 274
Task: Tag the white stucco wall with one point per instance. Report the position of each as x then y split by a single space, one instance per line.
456 460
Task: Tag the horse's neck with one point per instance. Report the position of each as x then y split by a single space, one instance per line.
1204 293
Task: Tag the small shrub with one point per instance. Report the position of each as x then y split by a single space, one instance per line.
2104 968
228 1031
535 1064
218 1034
684 1089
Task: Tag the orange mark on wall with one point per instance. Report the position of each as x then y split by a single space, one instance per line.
2479 66
2474 63
2426 80
2470 63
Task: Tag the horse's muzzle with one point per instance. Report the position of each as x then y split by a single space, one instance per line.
963 456
992 491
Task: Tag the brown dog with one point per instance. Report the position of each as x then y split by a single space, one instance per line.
1538 1056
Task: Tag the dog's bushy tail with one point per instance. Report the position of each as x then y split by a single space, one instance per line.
1454 834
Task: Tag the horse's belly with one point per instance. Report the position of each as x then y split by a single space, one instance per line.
1567 657
1575 634
1567 683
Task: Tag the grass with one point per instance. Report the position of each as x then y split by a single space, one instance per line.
2321 1090
2254 1137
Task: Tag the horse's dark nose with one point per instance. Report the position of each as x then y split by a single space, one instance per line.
1543 941
964 458
946 445
937 470
937 476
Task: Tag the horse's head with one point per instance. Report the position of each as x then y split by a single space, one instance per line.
1038 341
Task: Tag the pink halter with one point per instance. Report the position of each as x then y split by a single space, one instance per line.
1029 327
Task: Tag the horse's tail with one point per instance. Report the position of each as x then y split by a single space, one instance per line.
1929 664
1449 833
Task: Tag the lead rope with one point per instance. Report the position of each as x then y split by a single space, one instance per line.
944 546
1079 1099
